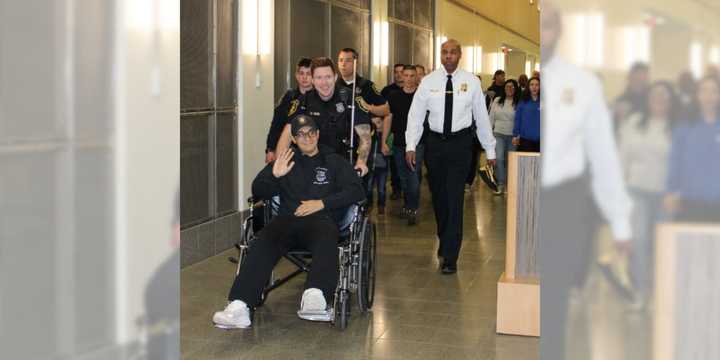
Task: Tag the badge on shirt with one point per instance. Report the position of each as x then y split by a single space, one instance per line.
358 90
568 96
340 107
320 176
463 87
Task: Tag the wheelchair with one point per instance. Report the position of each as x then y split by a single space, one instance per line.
356 255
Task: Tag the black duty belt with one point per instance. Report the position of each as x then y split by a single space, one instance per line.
462 132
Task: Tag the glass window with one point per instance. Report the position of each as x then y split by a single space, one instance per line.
225 168
195 54
350 29
194 169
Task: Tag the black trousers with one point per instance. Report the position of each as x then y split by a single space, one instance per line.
528 145
394 178
316 233
448 161
568 224
476 148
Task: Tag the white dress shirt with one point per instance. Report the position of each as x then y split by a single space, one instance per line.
577 130
468 102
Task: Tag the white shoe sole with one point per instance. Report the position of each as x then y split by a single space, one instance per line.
230 327
322 315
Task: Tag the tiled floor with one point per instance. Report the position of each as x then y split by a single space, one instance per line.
418 313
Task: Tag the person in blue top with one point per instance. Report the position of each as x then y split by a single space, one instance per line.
693 187
526 133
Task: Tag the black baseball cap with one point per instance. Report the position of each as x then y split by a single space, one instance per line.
300 122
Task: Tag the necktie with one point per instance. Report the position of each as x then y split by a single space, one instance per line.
447 124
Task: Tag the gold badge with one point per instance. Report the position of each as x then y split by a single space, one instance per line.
362 104
568 96
463 87
293 106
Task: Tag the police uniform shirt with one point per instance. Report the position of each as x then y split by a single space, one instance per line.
333 116
468 102
280 117
578 132
366 89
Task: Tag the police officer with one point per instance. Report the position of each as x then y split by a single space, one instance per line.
453 98
330 107
280 119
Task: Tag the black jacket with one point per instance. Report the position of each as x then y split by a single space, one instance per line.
325 176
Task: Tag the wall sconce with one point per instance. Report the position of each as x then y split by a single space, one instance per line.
256 27
381 43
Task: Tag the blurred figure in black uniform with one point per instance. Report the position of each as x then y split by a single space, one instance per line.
398 78
330 106
303 77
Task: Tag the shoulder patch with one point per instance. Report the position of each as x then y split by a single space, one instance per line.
362 104
293 106
375 89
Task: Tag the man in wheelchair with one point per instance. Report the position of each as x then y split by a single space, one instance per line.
316 187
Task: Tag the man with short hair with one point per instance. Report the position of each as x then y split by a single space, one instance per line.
453 98
331 108
374 102
497 88
316 187
397 83
280 119
420 73
400 102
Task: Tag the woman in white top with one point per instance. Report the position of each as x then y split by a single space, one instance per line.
644 145
502 119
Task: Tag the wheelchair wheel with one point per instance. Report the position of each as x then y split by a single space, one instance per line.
342 309
366 282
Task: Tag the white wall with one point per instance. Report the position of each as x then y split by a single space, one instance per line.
255 102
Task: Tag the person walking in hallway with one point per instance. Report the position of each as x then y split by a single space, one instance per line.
453 97
502 119
526 133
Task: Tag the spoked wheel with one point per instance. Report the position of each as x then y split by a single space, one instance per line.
366 286
342 309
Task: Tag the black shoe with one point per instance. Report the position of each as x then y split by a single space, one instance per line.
449 267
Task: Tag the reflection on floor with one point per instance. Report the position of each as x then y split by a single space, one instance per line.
418 313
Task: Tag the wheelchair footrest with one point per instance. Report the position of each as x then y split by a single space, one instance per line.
325 316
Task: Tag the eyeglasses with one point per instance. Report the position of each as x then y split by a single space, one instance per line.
306 134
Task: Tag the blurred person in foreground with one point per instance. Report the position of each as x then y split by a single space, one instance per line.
644 142
693 188
581 174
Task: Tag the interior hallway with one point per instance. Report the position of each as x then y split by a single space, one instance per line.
418 313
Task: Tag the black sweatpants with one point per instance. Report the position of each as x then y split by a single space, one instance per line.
316 233
448 161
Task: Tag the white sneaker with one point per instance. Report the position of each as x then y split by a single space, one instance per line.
313 306
235 316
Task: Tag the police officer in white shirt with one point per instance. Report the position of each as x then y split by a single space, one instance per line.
453 97
581 174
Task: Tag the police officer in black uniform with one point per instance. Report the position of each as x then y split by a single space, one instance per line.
331 108
280 119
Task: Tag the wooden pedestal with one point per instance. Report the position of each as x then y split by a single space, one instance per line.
518 306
